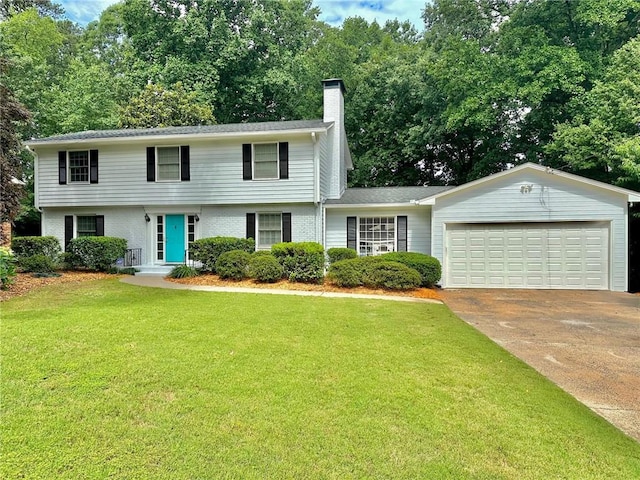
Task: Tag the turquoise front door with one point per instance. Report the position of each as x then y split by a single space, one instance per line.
174 238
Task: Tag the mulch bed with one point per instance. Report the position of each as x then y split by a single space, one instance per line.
26 282
214 280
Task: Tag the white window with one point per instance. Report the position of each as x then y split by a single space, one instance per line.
269 229
160 237
377 235
168 163
265 160
79 166
87 226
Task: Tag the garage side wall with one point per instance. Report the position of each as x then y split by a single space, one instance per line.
531 196
418 225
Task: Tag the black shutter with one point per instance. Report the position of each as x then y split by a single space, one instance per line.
93 166
251 225
286 227
185 173
283 148
246 161
68 230
151 164
352 232
402 232
100 225
62 167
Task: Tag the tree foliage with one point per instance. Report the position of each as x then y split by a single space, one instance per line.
156 106
12 113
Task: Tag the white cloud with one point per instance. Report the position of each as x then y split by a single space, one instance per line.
333 11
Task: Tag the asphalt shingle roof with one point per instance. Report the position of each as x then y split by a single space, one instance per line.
382 195
200 129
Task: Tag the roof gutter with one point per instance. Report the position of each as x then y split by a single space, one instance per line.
189 136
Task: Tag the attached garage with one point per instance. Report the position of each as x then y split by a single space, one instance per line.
566 255
532 227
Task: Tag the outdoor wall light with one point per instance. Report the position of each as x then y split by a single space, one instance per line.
146 217
196 218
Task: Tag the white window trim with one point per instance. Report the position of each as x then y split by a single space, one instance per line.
253 161
257 228
179 179
395 233
69 176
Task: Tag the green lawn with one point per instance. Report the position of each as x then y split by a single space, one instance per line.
107 380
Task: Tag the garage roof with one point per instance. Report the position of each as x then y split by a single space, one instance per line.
383 196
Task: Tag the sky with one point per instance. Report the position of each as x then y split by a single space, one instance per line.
333 11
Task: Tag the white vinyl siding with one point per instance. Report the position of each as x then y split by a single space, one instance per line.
216 177
418 225
566 255
551 199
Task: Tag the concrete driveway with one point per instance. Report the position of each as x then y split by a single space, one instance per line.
587 342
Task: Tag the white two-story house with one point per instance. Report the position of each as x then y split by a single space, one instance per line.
162 188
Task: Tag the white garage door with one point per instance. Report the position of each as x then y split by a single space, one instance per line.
571 255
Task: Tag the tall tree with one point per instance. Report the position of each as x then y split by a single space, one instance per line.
12 113
44 7
603 140
160 107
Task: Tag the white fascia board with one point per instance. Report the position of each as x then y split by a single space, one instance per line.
539 168
187 137
372 205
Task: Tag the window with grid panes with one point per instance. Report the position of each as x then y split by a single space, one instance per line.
79 166
86 226
377 235
265 160
191 231
269 229
160 237
168 161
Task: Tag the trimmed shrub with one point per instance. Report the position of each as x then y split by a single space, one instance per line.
233 265
7 268
337 254
183 271
346 273
391 275
207 250
302 261
29 246
265 268
96 253
38 263
427 266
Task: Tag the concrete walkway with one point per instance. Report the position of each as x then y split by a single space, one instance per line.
157 281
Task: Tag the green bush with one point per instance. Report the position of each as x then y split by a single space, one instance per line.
7 268
233 265
96 253
427 266
265 268
302 261
38 263
337 254
391 275
207 250
29 246
346 273
183 271
374 272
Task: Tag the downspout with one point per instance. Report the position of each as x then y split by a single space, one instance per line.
316 186
36 196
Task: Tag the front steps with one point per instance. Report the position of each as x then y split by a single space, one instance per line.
154 270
